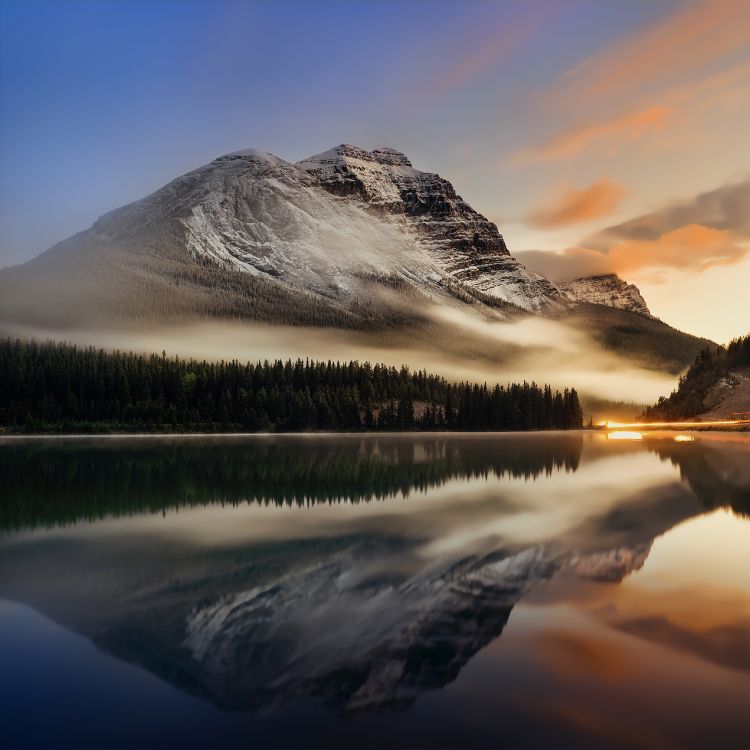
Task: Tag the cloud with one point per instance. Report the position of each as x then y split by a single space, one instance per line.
574 206
459 345
571 263
727 645
692 248
608 135
692 38
726 208
711 229
677 75
484 56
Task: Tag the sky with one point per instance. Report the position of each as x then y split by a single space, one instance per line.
600 136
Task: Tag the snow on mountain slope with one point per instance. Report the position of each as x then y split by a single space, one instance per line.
254 212
607 289
462 243
332 219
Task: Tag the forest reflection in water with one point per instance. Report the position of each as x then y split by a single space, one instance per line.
252 573
59 481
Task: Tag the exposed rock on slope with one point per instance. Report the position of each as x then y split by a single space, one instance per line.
613 565
606 289
729 397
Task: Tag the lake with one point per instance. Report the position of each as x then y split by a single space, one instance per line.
420 590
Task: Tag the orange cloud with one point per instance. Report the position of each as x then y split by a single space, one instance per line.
678 74
726 207
601 723
692 247
572 653
690 39
609 135
574 206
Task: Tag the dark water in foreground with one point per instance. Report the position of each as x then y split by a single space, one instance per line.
534 590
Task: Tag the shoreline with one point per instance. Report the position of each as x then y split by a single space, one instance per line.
4 436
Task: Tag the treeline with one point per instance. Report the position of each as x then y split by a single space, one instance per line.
709 367
59 387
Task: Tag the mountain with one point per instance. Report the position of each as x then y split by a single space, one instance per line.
347 239
715 387
330 232
606 289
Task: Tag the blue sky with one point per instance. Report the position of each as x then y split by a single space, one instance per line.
104 102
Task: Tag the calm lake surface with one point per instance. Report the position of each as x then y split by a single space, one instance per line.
513 590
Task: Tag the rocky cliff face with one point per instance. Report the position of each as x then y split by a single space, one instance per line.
385 181
462 243
607 289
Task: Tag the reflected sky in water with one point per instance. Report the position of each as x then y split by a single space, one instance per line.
418 589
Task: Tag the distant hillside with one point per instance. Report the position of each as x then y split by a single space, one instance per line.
716 385
639 338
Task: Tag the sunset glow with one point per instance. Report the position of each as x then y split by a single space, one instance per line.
673 425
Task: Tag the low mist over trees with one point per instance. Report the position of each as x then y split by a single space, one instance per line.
710 366
62 388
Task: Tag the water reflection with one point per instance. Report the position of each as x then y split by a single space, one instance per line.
361 608
62 481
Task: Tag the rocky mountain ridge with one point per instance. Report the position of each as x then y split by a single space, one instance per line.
362 213
606 289
464 244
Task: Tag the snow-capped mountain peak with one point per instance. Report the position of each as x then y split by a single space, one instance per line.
342 228
327 222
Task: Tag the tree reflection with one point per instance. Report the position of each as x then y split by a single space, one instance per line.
60 482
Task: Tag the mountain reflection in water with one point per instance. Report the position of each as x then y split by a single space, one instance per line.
289 592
